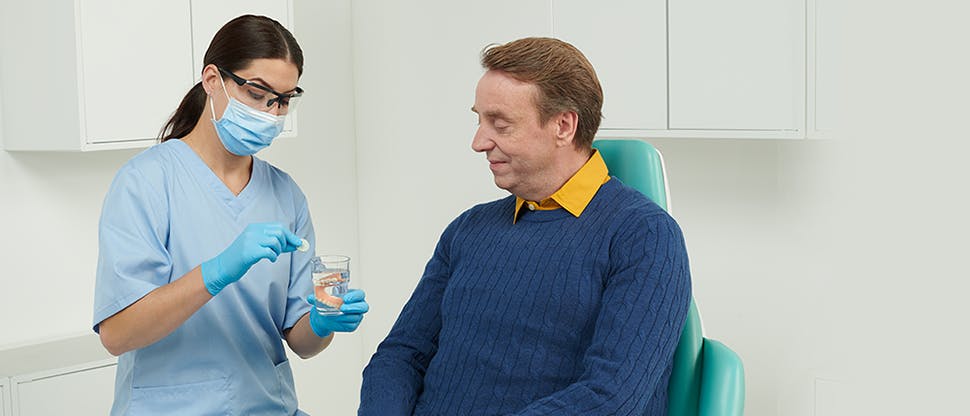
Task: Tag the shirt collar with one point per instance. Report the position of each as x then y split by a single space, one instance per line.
576 193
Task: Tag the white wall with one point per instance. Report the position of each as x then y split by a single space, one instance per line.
900 265
749 212
415 72
835 268
49 215
323 160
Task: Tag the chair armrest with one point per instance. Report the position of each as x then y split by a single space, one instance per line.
722 385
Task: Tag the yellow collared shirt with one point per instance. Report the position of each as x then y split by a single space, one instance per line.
576 193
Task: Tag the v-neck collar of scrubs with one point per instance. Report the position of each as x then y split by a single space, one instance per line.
201 171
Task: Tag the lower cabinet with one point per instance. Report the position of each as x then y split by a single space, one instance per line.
4 397
86 389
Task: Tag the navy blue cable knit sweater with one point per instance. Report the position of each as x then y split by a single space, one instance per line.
552 315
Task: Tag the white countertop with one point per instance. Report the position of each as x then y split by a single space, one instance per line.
61 353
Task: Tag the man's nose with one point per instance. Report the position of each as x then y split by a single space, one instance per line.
481 142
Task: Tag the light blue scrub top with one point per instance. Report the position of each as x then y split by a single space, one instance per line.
165 214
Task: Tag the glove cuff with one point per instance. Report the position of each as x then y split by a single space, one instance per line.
210 276
316 326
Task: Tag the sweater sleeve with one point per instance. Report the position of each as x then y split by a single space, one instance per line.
643 310
394 378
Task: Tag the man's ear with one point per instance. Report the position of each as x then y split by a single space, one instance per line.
566 123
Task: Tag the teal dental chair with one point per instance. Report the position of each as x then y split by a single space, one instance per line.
708 377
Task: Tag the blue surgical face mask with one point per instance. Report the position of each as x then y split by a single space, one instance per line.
244 130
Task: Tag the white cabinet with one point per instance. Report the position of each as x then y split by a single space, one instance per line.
72 375
737 65
4 397
136 62
102 74
88 75
82 390
693 68
626 42
823 41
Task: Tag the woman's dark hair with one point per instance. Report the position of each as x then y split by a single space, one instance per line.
233 48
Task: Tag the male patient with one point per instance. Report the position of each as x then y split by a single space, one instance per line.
568 296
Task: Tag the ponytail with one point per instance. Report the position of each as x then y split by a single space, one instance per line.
186 116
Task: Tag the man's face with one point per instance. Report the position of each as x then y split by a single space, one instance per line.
519 149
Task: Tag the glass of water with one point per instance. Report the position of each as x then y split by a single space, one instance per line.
331 278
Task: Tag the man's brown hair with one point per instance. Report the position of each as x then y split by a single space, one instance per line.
564 78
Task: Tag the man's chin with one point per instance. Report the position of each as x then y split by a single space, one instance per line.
502 185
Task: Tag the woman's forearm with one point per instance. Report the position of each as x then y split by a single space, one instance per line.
154 316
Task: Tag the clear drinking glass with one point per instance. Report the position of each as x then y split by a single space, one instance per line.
331 278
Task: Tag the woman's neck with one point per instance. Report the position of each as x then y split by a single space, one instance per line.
234 171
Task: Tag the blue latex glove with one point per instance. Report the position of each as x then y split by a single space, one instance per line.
257 242
353 309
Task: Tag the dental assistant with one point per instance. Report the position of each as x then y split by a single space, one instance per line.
199 280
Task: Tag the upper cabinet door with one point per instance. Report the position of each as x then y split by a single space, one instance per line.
625 40
209 16
737 65
133 56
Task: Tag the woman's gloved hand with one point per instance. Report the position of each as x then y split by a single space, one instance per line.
353 309
257 242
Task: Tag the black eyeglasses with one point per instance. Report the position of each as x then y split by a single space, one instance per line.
256 94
